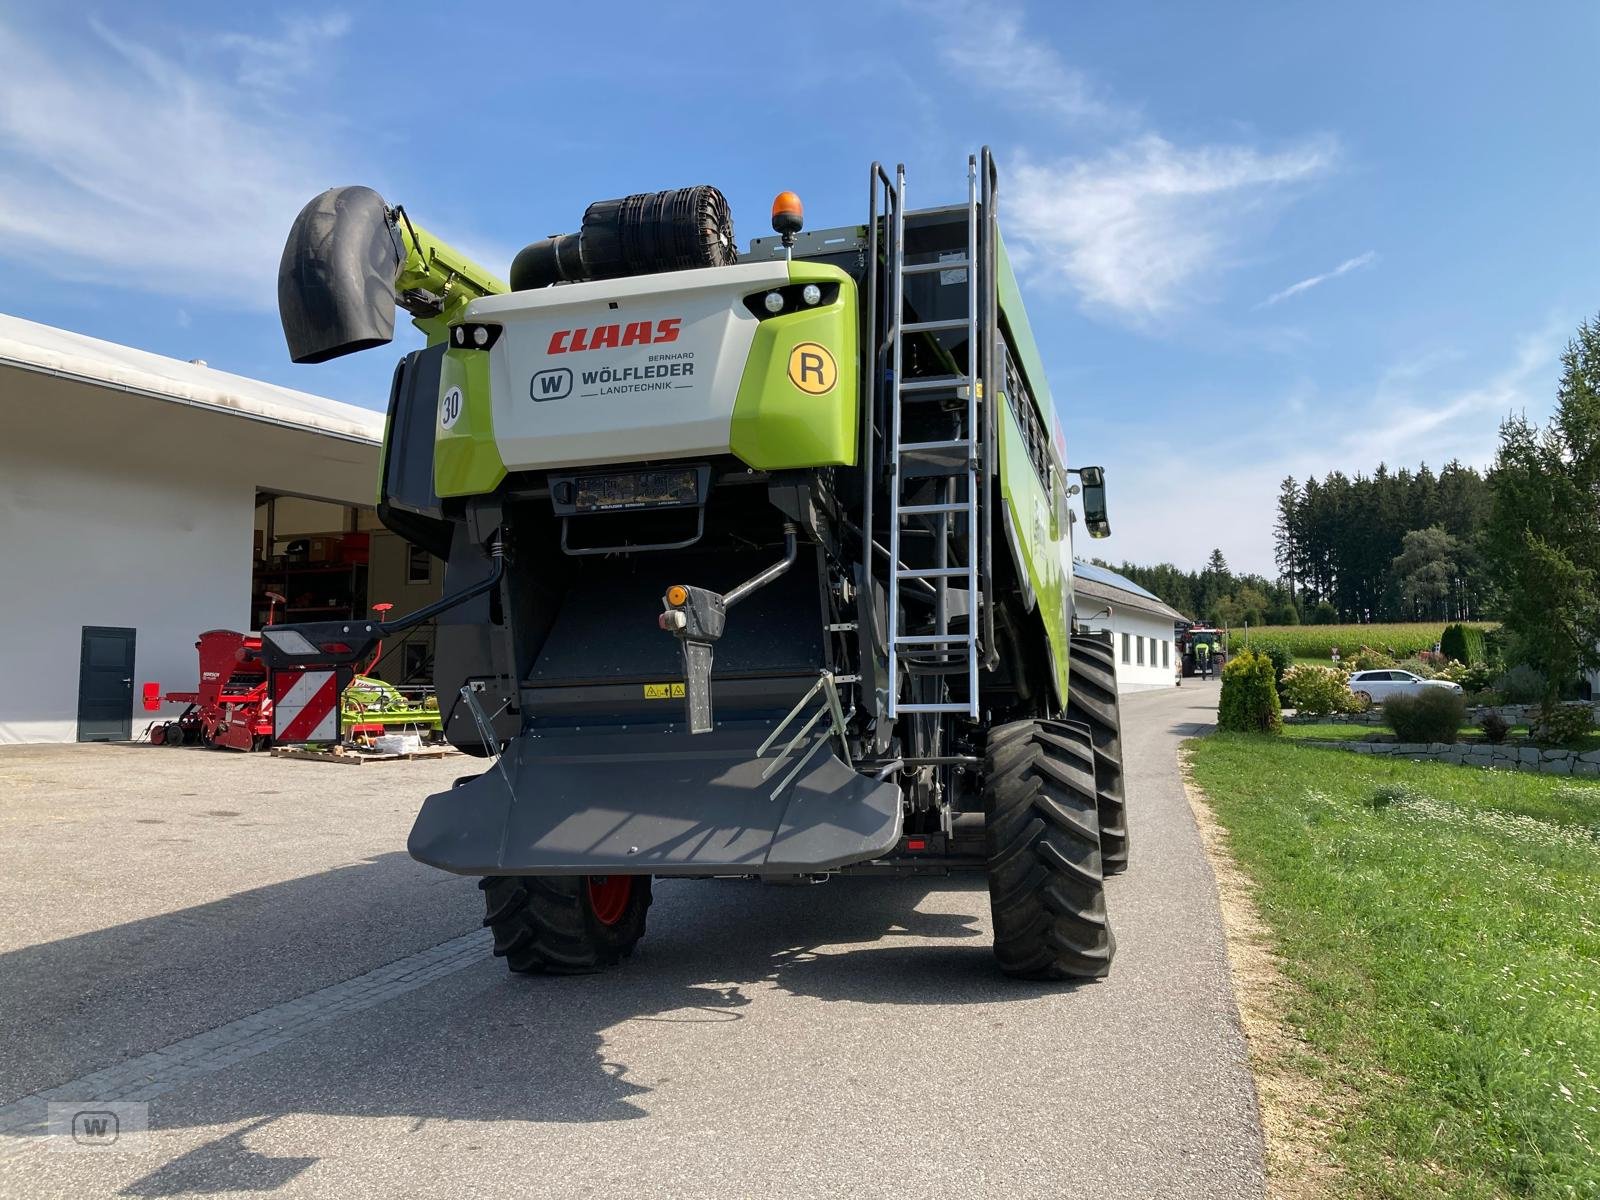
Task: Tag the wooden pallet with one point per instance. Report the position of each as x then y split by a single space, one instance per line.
356 758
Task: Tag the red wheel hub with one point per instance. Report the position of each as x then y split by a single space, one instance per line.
609 896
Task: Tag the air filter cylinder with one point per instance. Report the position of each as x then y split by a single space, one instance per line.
638 235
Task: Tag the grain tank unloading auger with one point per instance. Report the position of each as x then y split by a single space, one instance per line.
758 564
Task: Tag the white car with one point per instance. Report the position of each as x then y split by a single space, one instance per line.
1378 686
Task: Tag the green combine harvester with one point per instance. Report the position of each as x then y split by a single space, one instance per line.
759 564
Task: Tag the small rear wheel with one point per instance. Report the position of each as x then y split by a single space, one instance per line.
1046 889
565 925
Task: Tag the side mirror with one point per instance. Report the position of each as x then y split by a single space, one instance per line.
1094 501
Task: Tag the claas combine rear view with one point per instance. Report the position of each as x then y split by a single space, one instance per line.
759 564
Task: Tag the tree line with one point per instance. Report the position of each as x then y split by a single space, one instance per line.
1391 546
1519 543
1215 595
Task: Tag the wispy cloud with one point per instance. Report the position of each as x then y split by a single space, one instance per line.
277 64
1305 285
988 44
1416 410
124 164
1134 228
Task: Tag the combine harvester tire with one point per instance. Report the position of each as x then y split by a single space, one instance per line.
1094 702
1046 890
565 925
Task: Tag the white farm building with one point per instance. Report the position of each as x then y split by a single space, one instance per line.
1142 626
144 500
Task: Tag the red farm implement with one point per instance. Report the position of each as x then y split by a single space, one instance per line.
232 706
238 699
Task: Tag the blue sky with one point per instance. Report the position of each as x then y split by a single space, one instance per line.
1257 240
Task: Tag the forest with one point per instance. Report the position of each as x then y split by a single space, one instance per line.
1391 546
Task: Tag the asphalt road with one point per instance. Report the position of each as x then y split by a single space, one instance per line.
241 943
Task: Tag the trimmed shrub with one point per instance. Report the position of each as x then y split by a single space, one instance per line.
1280 654
1464 643
1521 685
1430 714
1495 727
1317 691
1249 701
1562 724
1419 666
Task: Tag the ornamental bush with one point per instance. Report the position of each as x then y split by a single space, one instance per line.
1562 724
1429 714
1521 685
1495 727
1280 654
1317 691
1249 701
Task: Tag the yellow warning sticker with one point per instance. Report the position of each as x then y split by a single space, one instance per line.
663 691
812 369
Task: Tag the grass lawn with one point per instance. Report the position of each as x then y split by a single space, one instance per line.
1446 951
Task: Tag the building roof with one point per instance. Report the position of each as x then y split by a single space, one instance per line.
1105 584
33 347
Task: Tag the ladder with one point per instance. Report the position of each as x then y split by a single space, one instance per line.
955 464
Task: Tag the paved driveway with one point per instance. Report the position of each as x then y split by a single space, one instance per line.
242 943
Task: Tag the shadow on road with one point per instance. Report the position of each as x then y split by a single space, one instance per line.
481 1045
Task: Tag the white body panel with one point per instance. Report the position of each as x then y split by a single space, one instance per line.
567 392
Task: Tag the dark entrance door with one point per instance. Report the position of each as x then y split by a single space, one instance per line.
105 685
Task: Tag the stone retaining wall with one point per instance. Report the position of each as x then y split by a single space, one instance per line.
1480 754
1514 714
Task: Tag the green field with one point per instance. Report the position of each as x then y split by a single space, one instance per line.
1318 641
1440 925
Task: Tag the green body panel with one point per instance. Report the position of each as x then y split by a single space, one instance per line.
775 424
466 460
1024 349
1035 514
440 270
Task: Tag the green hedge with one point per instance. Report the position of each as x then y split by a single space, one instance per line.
1464 643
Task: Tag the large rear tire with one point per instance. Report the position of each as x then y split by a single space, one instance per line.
565 925
1092 700
1046 890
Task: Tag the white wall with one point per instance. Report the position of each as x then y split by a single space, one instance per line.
1139 635
127 511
